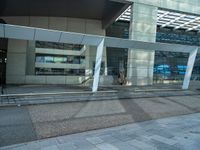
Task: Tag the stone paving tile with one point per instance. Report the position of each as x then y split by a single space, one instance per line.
132 135
161 132
35 145
163 139
124 146
106 146
95 140
141 145
54 147
84 144
88 149
109 138
67 146
163 146
66 139
122 137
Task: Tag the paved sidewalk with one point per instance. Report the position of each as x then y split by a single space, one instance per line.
35 122
174 133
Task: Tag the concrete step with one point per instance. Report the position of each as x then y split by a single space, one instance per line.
46 98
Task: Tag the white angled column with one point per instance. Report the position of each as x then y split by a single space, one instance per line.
190 65
99 54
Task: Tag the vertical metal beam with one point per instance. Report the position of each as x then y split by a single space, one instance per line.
190 65
99 54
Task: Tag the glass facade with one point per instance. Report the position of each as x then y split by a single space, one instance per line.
170 66
167 65
169 37
196 70
118 61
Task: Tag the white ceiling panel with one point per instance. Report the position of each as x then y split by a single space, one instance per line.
1 30
91 40
26 33
70 37
168 19
19 32
112 42
47 35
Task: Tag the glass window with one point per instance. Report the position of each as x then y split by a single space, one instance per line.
48 59
102 70
60 60
41 58
170 65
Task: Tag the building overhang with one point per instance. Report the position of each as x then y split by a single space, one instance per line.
31 33
39 34
105 10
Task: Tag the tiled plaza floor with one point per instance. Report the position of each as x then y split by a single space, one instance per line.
174 133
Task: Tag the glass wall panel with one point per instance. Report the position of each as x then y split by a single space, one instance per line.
170 66
196 70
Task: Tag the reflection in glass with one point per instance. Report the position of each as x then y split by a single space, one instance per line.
41 58
54 45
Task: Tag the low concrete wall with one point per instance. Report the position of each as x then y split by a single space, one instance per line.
31 79
106 80
55 79
194 85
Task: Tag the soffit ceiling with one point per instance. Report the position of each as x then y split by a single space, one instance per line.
91 9
166 18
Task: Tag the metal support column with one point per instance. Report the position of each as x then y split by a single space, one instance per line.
190 65
98 66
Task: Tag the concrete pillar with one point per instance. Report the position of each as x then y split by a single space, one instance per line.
16 61
30 59
142 28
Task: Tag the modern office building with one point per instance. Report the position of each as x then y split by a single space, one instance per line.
43 62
